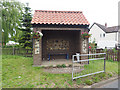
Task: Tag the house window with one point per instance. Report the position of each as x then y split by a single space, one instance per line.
103 35
100 35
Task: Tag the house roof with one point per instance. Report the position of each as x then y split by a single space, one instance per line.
107 29
112 29
59 17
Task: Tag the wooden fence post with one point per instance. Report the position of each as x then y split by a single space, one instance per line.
13 51
106 54
118 56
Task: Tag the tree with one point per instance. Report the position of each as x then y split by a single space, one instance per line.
26 40
11 14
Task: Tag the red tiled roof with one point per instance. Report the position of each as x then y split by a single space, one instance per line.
59 17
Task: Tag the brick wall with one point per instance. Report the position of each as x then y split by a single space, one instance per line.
37 58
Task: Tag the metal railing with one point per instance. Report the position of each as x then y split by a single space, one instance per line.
78 65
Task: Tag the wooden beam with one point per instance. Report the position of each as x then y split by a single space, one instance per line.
79 29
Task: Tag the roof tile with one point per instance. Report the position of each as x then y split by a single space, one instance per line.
59 17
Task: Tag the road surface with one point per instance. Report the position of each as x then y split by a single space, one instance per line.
112 84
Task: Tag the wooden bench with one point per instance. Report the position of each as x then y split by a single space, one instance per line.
67 55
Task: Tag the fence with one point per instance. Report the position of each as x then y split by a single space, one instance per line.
17 51
118 54
87 66
111 54
96 51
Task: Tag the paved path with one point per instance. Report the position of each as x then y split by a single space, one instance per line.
112 84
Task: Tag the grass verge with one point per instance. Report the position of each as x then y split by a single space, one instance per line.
17 72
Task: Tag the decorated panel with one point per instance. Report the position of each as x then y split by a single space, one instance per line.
36 46
55 44
84 46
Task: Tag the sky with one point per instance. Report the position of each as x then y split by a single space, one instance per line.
99 11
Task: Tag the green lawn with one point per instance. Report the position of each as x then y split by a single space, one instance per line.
17 72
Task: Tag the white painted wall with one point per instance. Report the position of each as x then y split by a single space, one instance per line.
97 35
111 36
96 31
108 44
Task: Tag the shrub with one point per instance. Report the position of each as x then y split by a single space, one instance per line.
63 65
50 66
102 75
79 81
70 65
109 74
89 82
58 66
96 79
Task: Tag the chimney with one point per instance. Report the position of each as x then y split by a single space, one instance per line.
105 24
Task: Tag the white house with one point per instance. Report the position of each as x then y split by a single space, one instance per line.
104 36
